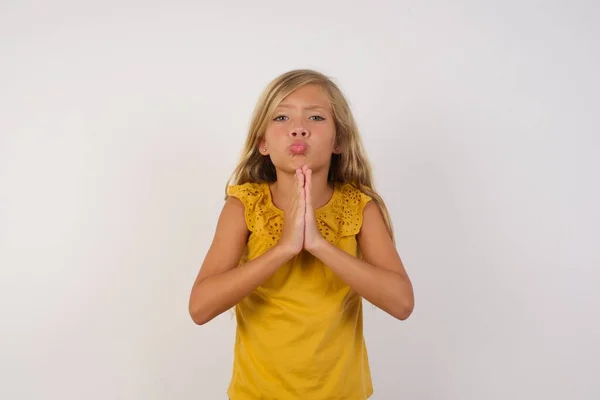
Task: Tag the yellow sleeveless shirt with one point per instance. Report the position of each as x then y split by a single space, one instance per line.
300 334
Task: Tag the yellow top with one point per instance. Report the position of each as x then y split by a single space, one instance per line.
300 334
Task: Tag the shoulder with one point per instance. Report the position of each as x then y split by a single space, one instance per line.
353 195
375 222
245 190
353 200
348 208
254 198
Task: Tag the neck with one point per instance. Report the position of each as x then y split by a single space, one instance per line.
286 184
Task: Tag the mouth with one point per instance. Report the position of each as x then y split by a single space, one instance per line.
298 147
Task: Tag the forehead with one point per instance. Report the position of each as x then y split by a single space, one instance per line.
308 96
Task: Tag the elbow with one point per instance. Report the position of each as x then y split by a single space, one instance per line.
199 317
405 302
199 306
404 308
403 314
199 313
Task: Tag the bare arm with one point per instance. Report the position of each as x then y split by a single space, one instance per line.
221 284
380 277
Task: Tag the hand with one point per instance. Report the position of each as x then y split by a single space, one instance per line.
312 236
292 235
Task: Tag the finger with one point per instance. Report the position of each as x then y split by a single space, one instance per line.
308 188
298 202
302 193
305 172
298 180
293 196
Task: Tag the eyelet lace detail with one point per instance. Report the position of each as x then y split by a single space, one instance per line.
341 216
344 215
262 220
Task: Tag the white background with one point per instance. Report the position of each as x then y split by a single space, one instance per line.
120 122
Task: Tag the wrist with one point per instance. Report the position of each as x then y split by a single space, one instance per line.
317 246
285 252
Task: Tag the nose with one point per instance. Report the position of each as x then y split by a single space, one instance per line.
299 132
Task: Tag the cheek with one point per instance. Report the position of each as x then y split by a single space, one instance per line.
275 132
325 134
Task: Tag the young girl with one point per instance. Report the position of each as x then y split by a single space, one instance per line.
301 240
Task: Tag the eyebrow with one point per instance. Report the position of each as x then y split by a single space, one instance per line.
309 107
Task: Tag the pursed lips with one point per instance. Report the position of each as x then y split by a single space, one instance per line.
298 147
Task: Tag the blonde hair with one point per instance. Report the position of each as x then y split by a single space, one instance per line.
350 166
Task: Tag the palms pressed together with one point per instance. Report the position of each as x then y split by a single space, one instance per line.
300 229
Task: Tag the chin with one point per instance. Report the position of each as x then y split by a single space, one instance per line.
290 167
299 162
296 161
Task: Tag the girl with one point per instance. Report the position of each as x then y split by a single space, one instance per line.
301 239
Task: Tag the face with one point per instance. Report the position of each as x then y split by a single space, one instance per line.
301 131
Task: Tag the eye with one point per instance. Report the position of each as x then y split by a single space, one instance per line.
280 118
317 118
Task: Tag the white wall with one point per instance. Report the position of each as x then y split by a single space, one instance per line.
120 122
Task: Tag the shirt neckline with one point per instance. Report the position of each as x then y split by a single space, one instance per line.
267 191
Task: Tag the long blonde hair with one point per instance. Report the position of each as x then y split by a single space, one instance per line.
350 166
